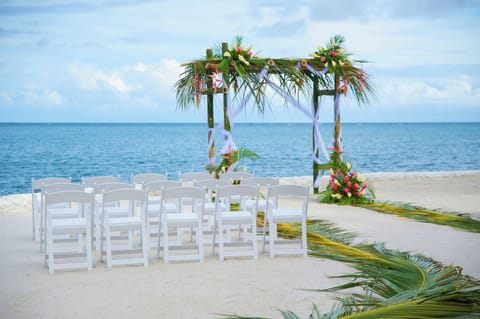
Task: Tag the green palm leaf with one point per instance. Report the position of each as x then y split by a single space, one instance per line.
425 215
396 284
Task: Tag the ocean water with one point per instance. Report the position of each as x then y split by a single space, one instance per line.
75 150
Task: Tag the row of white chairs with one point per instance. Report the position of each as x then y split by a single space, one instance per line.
90 182
109 210
139 179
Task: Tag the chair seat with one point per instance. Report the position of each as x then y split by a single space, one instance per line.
153 200
64 212
125 221
154 210
262 204
182 217
209 208
236 217
116 211
286 215
70 223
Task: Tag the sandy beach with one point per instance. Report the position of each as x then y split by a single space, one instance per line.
235 286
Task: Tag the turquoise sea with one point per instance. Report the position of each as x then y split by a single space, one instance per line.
74 150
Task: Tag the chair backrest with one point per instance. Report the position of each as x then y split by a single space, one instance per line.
92 181
191 177
261 181
37 184
147 178
235 176
186 195
297 195
124 194
239 192
62 187
107 187
289 190
80 197
211 183
159 185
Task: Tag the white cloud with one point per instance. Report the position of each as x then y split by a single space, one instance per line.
52 97
446 91
41 97
5 98
150 79
91 78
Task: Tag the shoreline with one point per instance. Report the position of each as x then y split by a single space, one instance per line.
167 290
447 191
370 175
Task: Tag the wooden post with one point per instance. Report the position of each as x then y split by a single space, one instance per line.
337 129
315 108
210 119
226 121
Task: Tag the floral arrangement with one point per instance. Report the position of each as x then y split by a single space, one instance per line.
238 54
239 58
333 56
345 186
232 158
338 61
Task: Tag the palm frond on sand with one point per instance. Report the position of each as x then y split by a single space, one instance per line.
395 284
425 215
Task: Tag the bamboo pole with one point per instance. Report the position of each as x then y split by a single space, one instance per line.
337 129
315 108
210 120
226 121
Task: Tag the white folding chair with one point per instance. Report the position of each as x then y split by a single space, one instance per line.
61 210
187 179
114 208
135 222
286 204
235 176
37 200
225 216
185 217
210 186
263 183
77 226
90 182
153 190
141 179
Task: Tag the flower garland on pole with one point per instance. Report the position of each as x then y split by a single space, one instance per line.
345 186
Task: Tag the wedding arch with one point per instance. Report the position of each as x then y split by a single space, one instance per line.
239 75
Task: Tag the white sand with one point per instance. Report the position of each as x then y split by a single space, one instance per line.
238 286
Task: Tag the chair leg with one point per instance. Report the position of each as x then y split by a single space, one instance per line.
159 237
220 242
265 221
271 226
254 239
49 251
304 238
165 242
130 239
214 237
89 248
109 246
102 231
97 232
145 244
41 235
199 237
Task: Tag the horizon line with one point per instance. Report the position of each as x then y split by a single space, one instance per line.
306 122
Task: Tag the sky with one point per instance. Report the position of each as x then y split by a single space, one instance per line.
118 60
